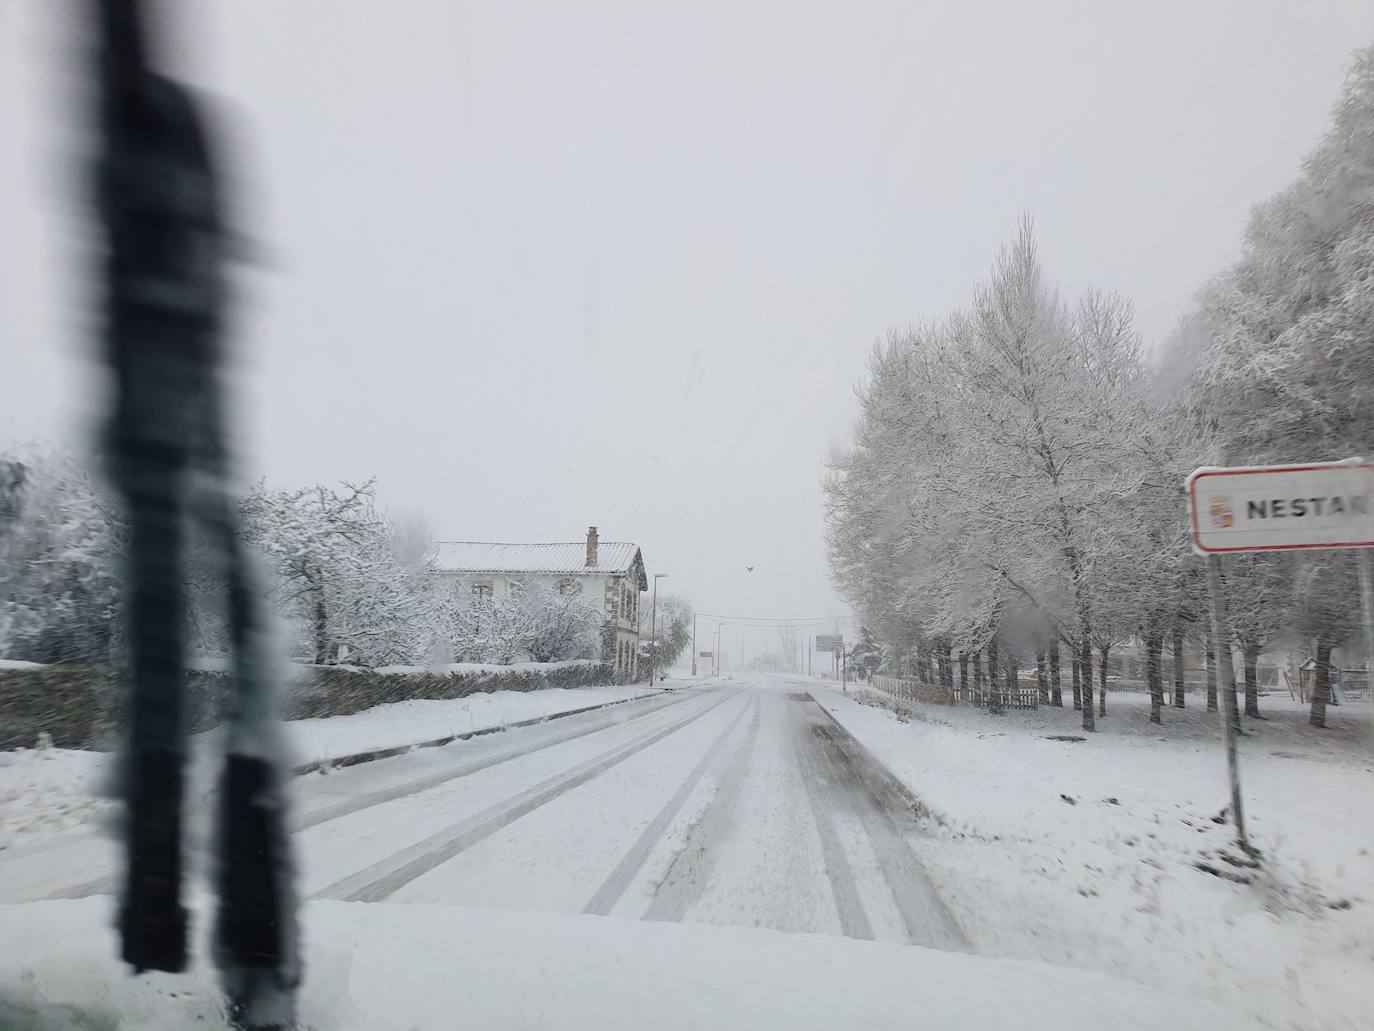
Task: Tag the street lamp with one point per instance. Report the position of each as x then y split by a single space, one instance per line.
653 632
720 639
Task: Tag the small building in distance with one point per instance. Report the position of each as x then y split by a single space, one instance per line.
609 573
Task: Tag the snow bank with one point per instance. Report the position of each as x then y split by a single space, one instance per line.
1088 852
378 966
407 723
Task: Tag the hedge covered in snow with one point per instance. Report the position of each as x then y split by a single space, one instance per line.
80 706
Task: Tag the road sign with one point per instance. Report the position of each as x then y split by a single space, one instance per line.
829 642
706 655
1277 508
1282 507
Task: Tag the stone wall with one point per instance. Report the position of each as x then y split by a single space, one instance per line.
82 706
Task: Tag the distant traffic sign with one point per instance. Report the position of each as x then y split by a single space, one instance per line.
706 655
829 642
1282 507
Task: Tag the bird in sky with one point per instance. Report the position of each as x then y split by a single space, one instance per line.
748 569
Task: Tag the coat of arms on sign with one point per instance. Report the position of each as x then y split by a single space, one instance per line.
1221 514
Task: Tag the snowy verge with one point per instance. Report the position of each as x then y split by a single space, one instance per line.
47 791
378 966
408 723
1105 853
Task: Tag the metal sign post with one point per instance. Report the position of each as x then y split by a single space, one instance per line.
834 644
1319 505
1366 564
1230 716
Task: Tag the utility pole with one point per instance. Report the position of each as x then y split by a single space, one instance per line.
720 642
694 644
653 632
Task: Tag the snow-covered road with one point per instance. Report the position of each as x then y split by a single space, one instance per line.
740 803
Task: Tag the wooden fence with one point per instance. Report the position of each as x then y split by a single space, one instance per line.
1024 696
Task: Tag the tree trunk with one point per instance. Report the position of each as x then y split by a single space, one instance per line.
1211 672
1252 654
1178 666
1042 682
1103 652
994 688
941 664
1077 685
1321 683
1056 687
1154 659
978 681
1085 660
321 630
963 673
1013 672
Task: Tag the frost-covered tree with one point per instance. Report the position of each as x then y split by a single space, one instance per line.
338 574
560 624
994 448
1017 469
61 539
674 628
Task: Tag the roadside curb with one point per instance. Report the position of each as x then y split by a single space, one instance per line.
374 754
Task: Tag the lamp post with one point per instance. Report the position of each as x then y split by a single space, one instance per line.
694 645
720 640
653 632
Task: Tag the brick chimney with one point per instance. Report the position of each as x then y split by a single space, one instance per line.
591 547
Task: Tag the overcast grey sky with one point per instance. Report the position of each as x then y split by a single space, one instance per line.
541 265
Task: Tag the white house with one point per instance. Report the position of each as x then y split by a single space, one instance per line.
609 573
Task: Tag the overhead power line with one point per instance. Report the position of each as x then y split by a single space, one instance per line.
775 621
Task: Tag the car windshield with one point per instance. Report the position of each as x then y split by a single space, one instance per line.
763 516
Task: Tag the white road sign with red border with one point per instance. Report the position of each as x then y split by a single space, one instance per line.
1282 507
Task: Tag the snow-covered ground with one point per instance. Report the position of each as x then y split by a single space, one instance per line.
723 856
379 967
1089 853
46 791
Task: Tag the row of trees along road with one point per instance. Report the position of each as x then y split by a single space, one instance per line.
1015 484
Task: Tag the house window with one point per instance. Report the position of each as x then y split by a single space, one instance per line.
482 591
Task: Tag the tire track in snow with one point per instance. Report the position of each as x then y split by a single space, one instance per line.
856 783
324 814
690 869
389 875
633 861
301 821
822 799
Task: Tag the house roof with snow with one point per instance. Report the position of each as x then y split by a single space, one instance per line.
611 558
